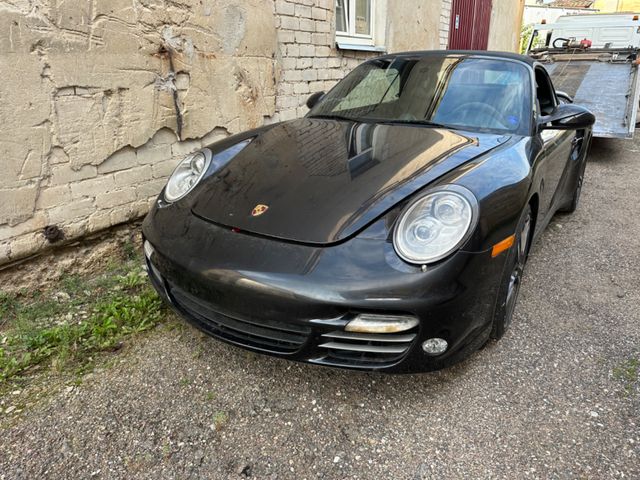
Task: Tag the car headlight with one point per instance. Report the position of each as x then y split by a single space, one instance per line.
187 175
435 224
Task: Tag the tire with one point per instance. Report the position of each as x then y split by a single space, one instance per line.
512 276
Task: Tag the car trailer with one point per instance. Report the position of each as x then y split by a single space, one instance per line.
594 59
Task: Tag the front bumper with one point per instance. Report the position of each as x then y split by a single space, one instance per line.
294 301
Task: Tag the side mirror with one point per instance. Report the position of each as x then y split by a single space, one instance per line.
314 98
567 117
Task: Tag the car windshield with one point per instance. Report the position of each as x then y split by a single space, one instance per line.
456 92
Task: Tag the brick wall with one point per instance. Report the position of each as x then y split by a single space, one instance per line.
308 59
445 23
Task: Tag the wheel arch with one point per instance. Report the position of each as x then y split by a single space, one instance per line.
534 203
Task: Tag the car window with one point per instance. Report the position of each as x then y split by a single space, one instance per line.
490 96
379 85
461 92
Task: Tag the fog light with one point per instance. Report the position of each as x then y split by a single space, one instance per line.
372 323
148 249
435 346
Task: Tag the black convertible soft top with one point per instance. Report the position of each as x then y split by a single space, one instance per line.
476 53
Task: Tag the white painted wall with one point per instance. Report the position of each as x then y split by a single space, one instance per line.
537 13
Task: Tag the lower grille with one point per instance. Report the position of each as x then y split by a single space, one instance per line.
365 349
267 335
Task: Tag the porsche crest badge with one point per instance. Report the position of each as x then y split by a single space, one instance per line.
259 210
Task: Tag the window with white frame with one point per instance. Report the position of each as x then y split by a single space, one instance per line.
355 23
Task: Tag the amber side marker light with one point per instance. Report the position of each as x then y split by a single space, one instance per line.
500 247
635 18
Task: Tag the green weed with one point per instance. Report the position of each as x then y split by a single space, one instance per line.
210 396
65 335
8 304
133 279
72 283
627 372
130 251
220 419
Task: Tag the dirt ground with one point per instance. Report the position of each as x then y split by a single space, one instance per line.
79 257
558 397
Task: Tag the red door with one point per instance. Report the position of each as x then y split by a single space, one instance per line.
469 29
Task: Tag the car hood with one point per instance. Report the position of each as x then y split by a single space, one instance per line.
324 180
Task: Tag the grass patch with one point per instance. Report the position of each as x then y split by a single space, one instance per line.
130 250
627 372
220 419
72 284
64 330
8 304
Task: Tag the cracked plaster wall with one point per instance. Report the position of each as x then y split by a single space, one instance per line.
100 99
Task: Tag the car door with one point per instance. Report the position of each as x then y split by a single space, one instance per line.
557 146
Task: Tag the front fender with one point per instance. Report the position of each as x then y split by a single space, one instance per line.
502 183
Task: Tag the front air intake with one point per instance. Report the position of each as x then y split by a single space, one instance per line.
365 349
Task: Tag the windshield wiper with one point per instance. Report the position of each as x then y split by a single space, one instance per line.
425 123
386 121
334 117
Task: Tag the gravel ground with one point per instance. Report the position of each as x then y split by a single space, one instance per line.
547 401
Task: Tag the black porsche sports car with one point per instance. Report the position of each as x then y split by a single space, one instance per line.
387 229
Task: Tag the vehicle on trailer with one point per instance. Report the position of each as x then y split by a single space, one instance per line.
593 60
389 228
